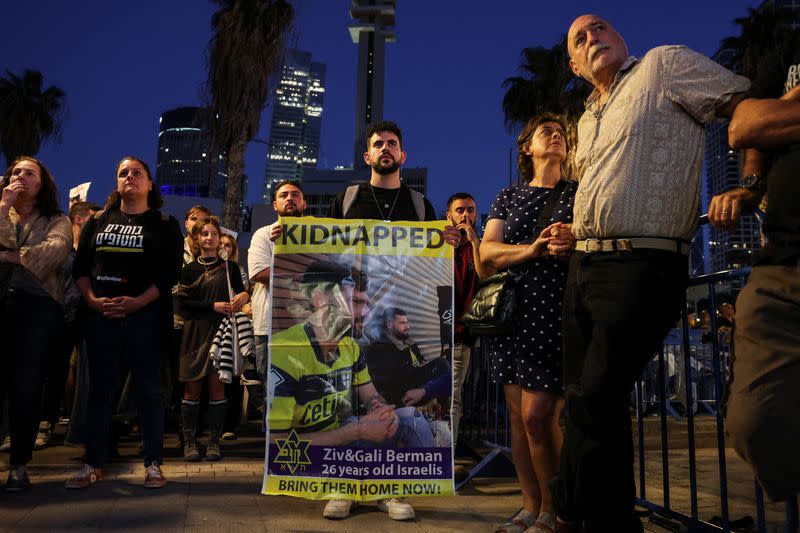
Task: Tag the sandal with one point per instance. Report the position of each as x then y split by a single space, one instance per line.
545 523
519 524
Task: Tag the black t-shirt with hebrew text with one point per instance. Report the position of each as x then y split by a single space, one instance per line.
124 254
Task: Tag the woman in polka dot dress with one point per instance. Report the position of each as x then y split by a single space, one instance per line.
528 361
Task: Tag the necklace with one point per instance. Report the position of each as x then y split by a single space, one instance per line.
130 218
378 205
200 260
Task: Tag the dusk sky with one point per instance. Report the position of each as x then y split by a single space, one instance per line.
122 64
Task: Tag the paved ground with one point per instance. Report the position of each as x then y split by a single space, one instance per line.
225 496
739 483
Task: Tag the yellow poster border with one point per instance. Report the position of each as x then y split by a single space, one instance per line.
334 488
362 237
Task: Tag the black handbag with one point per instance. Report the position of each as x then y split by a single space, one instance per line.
493 308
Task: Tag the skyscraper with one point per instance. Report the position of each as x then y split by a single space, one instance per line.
723 168
296 120
185 164
372 27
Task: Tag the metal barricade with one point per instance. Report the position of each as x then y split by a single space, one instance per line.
667 399
484 422
685 382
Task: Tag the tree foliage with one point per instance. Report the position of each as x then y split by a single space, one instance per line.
246 49
765 32
547 84
29 113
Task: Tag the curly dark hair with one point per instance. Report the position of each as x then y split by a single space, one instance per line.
524 162
380 127
154 199
47 198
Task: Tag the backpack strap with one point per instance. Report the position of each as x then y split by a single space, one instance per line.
350 195
419 203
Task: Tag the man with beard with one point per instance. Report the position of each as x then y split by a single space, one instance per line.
463 214
385 196
638 161
399 371
318 378
287 201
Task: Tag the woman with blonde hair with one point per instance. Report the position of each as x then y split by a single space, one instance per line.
205 299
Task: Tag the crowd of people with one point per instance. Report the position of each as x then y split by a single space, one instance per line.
592 250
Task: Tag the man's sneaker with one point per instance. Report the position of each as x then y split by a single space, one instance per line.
398 508
153 478
6 446
18 479
213 452
44 436
87 476
336 509
190 453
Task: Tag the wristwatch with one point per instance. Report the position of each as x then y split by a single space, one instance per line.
754 182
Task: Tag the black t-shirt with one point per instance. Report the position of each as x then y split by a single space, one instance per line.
124 254
779 74
365 205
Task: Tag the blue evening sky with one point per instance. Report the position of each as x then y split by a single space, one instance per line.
122 64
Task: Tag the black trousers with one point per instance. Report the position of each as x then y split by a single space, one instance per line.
28 326
618 307
55 378
113 344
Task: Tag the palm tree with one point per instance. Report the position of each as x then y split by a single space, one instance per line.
28 114
246 49
765 32
548 84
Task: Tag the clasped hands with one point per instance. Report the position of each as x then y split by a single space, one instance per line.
555 240
232 307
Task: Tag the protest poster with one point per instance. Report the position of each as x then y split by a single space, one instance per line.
360 377
79 193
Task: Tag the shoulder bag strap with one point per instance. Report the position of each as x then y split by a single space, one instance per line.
228 279
547 210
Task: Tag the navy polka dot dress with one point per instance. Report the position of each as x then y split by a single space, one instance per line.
531 356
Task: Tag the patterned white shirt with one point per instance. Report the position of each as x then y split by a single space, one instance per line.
640 156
